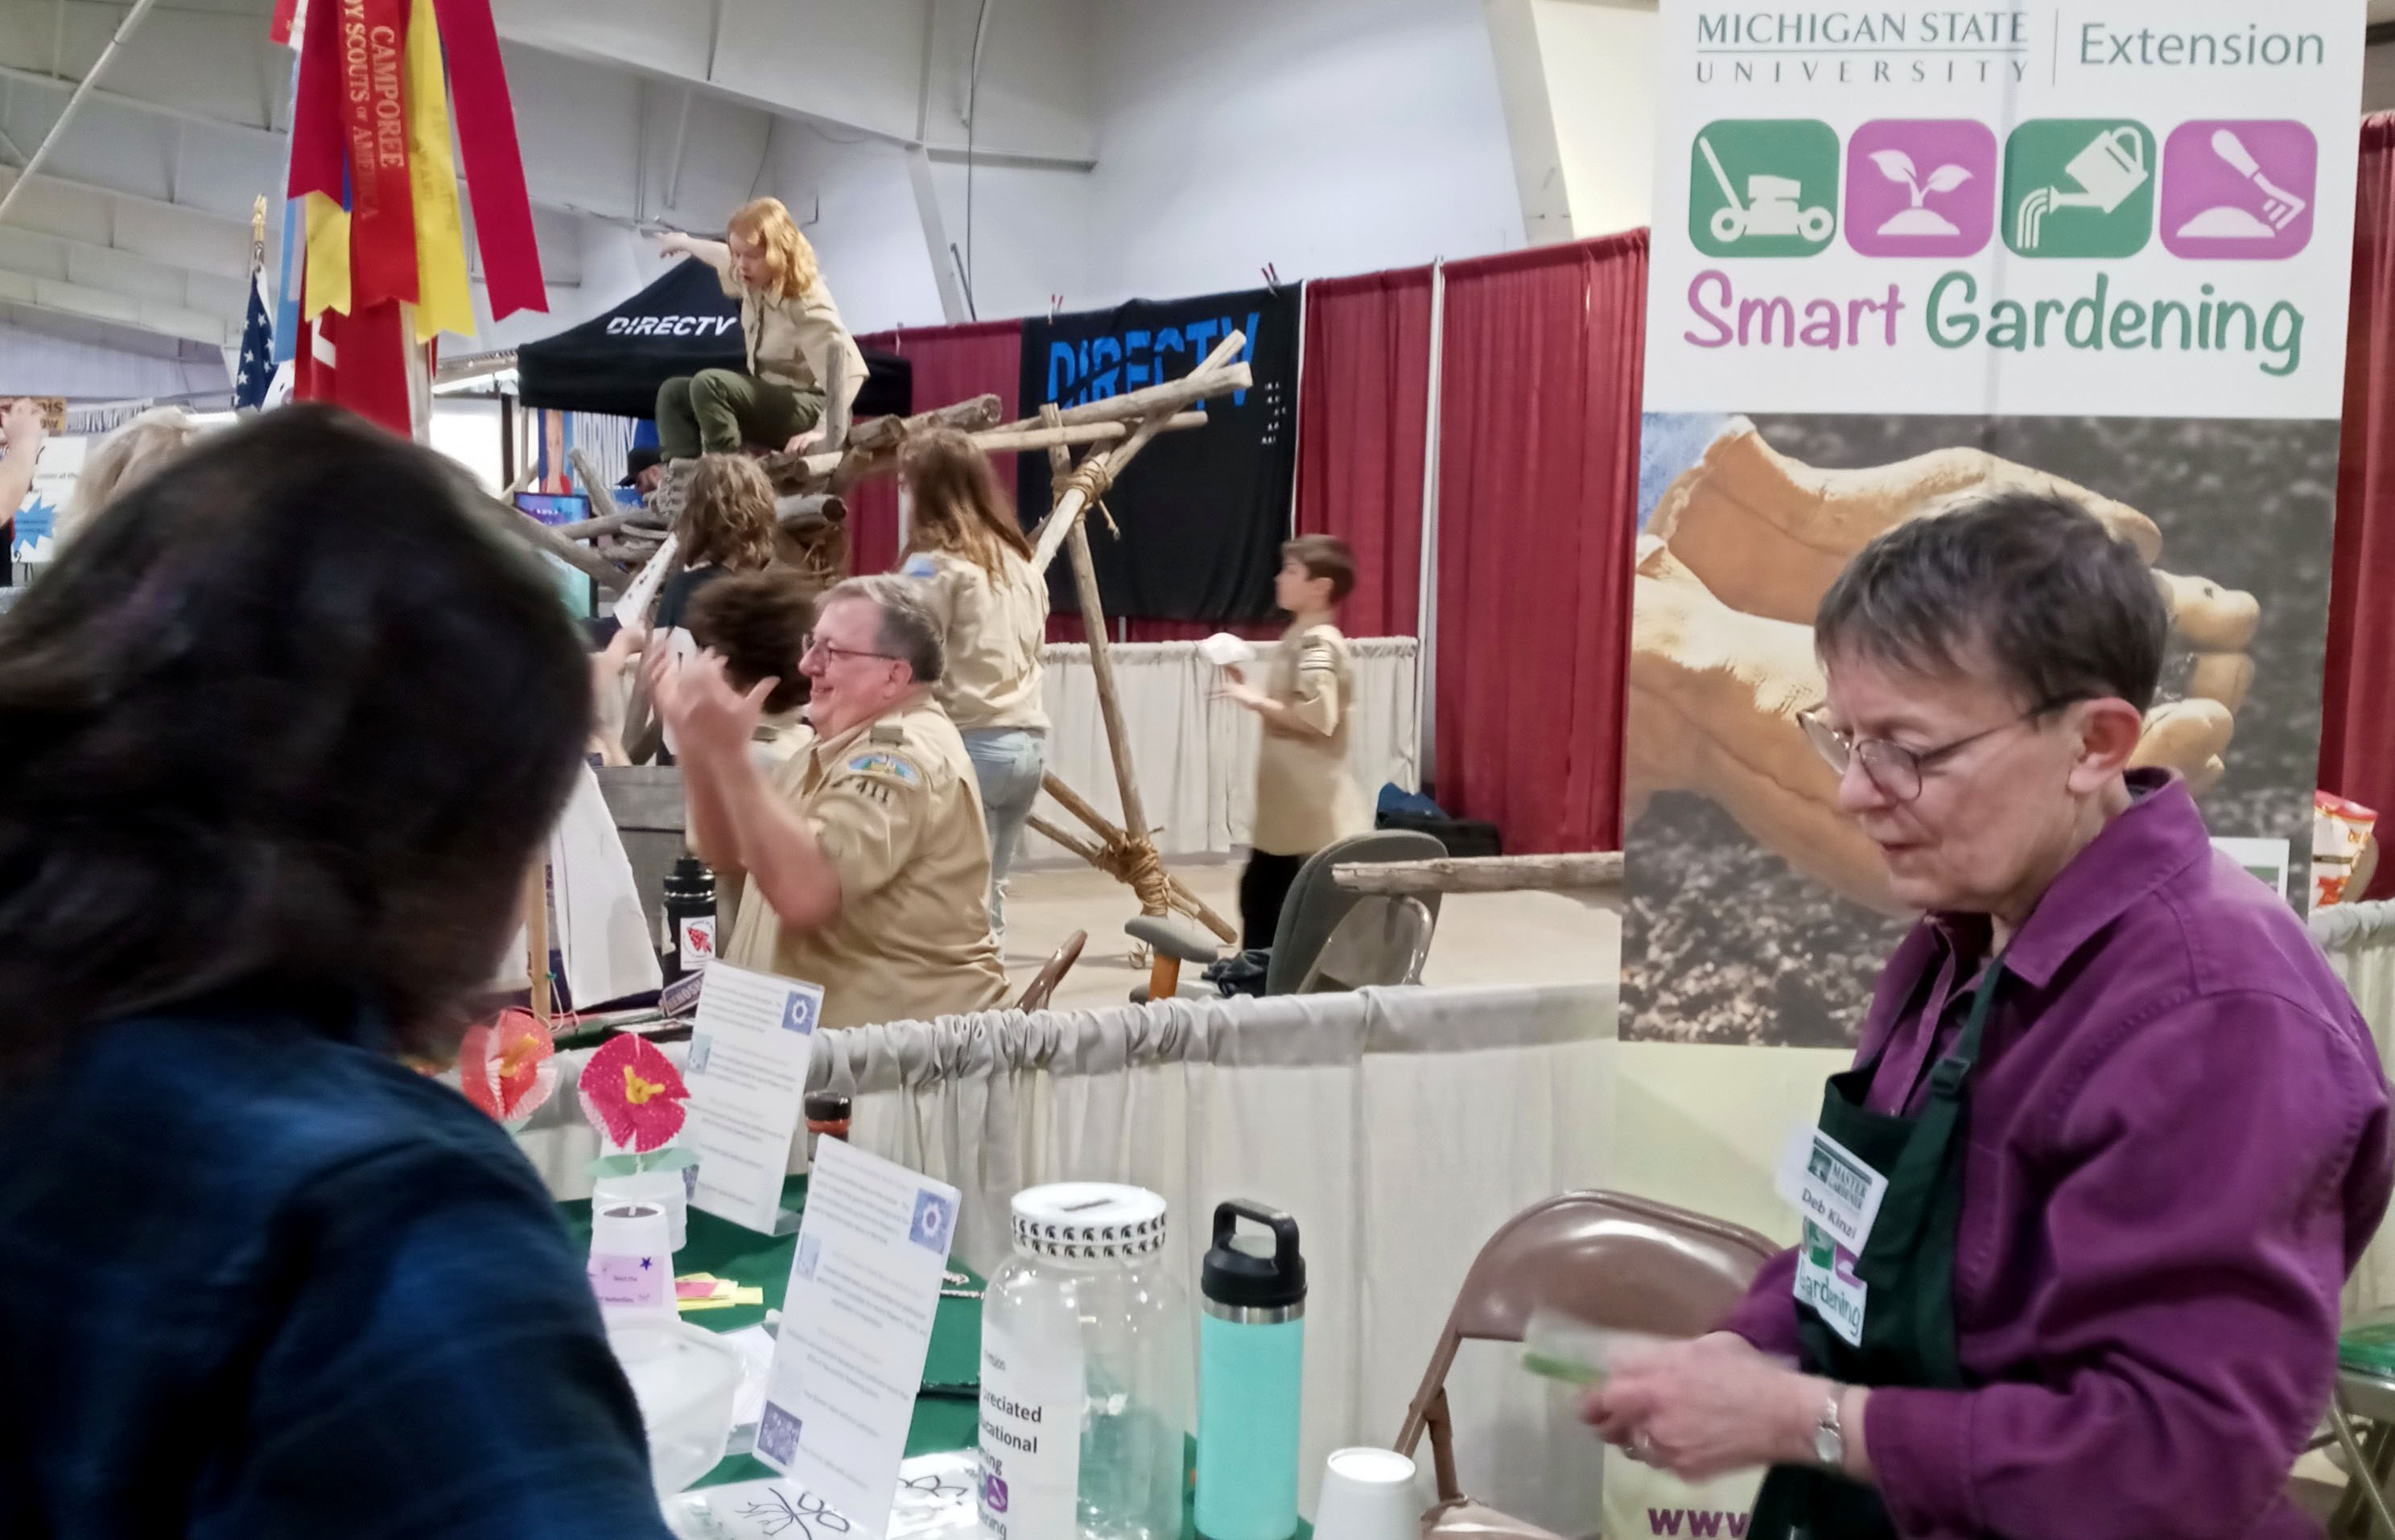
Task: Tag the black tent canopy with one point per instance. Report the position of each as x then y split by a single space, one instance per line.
678 325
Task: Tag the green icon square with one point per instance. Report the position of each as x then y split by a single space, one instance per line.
2079 187
1763 187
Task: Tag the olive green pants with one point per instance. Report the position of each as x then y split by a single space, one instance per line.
717 411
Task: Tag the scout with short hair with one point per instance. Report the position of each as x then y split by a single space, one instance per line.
1305 795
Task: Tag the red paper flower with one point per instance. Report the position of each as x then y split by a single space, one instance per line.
504 1067
633 1095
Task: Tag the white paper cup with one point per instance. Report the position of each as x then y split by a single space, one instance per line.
664 1189
632 1261
1368 1494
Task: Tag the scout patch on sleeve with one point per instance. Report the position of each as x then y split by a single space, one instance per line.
886 766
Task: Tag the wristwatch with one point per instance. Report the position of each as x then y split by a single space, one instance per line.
1829 1439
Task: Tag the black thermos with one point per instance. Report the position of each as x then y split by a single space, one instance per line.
689 916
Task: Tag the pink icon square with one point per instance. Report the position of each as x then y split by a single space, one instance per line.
2242 189
1920 186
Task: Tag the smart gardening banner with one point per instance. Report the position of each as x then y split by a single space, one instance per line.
1201 513
1900 252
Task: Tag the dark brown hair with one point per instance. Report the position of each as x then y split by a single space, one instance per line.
759 622
727 515
2066 612
958 507
293 716
1324 556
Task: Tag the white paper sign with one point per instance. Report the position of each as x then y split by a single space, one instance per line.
2266 859
935 1503
856 1323
748 1074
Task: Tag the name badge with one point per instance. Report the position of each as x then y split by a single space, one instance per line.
1838 1197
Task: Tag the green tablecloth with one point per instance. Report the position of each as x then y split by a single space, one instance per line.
942 1422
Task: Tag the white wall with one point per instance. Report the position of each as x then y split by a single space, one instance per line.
1327 137
1599 60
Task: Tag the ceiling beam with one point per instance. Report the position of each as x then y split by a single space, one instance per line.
116 309
69 248
226 236
66 84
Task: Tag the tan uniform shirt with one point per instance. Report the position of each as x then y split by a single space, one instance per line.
992 631
1306 797
894 803
792 340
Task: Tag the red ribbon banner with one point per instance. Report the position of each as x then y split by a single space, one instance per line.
374 122
486 139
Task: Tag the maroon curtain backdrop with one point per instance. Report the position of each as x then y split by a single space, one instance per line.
1362 404
1538 475
951 363
2357 757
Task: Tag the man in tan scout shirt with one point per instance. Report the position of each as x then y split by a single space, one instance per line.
865 859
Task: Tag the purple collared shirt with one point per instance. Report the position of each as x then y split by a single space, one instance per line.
2177 1147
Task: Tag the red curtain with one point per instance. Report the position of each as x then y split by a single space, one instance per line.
1538 469
2357 757
951 363
1362 405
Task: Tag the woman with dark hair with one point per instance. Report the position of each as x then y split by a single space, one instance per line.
284 731
992 608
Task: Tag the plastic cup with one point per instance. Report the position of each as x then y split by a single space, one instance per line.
664 1189
1368 1494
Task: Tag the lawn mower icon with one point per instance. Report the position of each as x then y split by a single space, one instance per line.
1770 207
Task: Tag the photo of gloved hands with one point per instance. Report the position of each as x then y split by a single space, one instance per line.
1750 891
1734 560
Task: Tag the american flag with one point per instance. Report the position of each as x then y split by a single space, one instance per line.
257 349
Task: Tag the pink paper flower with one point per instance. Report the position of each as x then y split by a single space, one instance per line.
506 1067
633 1095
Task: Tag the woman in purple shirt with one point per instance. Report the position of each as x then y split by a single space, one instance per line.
2077 1219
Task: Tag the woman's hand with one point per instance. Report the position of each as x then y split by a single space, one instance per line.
1703 1409
800 442
628 643
673 243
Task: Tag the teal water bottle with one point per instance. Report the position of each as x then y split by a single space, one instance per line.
1251 1366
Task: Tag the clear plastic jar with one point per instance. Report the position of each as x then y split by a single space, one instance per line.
1085 1372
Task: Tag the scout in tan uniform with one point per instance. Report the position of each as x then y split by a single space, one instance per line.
1305 796
865 861
793 332
975 568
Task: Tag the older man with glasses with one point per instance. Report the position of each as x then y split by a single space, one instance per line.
865 859
2076 1221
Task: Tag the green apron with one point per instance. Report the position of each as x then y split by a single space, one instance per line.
1907 1270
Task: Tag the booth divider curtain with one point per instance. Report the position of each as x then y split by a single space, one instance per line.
1362 427
951 363
1538 467
2357 752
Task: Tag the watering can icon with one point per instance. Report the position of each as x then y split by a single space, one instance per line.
2111 167
1770 207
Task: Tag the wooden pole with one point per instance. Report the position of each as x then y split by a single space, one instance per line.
1592 872
534 534
536 908
1109 463
594 486
1008 440
1183 900
1207 379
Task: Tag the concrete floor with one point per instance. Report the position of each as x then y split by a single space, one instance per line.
1482 938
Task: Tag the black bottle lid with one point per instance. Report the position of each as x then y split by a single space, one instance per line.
690 882
1236 1276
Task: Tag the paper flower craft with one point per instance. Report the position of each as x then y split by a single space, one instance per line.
507 1067
633 1095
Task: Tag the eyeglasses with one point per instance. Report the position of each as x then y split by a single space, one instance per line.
1894 769
812 643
